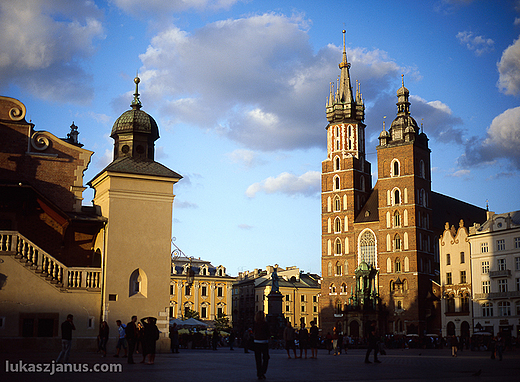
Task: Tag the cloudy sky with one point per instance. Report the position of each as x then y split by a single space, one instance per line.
238 88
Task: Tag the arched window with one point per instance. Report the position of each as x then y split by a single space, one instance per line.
336 183
337 164
464 302
346 267
422 172
397 219
337 203
487 309
332 288
339 269
329 269
367 248
337 246
395 167
504 308
406 264
339 307
138 283
388 265
337 225
422 198
450 304
362 183
343 288
397 242
397 265
397 197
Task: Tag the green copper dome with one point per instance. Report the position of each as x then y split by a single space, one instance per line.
135 121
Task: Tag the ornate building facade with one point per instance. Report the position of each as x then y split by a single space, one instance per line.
392 227
207 291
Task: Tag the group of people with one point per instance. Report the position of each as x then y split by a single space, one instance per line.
306 339
128 338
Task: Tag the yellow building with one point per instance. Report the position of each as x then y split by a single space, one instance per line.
300 293
208 292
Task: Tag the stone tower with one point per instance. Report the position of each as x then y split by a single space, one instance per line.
135 194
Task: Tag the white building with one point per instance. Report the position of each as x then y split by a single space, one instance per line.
495 269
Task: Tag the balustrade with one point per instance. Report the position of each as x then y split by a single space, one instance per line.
13 243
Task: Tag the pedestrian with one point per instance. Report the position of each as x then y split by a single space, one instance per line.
328 342
174 337
454 345
104 331
261 333
150 336
335 336
66 339
131 337
245 340
231 339
215 339
289 337
500 345
313 339
303 339
372 343
121 339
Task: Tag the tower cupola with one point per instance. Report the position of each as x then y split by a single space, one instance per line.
135 131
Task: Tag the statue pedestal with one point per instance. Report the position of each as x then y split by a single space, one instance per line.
275 318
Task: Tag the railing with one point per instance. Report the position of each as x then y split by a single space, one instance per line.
74 278
502 273
485 296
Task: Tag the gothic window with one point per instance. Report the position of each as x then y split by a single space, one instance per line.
397 219
346 223
339 269
343 288
397 242
367 248
336 183
337 204
362 183
422 198
406 264
138 283
397 265
332 288
337 246
388 265
346 267
337 164
422 172
395 167
329 269
337 225
397 197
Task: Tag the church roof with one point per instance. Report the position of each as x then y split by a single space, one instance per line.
370 210
131 165
448 209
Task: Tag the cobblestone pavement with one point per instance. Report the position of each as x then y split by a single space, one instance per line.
226 365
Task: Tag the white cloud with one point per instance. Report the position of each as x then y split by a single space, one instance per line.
459 174
245 227
502 141
162 7
307 184
255 79
42 44
509 69
478 44
247 158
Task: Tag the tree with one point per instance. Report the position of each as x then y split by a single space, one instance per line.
191 314
222 323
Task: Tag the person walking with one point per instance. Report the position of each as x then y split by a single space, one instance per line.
174 336
289 337
500 344
104 331
121 341
66 339
150 336
261 334
372 343
313 339
335 337
131 337
303 339
454 345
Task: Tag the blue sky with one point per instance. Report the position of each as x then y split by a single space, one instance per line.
238 89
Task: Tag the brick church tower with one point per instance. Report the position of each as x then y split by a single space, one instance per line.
386 228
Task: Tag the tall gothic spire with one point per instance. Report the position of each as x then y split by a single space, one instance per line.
345 88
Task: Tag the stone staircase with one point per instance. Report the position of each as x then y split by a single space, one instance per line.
36 260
